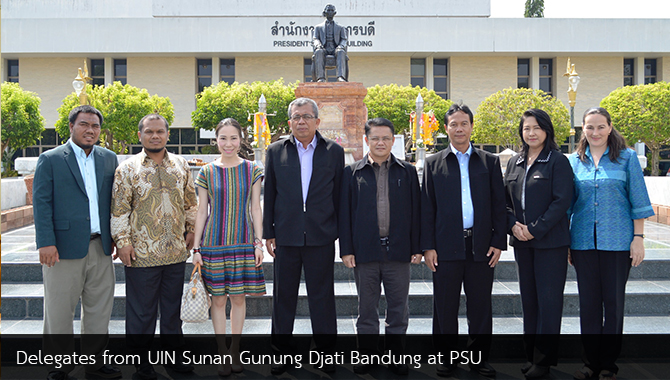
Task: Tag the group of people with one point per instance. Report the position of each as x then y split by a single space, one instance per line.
588 209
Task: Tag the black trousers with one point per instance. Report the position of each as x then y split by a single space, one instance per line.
147 290
601 280
477 280
318 263
541 282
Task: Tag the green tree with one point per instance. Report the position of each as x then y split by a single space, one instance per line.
534 8
237 100
395 103
22 122
642 113
497 117
122 108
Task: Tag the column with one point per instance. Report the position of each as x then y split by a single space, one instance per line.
216 70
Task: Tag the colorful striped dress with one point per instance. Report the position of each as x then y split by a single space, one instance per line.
227 243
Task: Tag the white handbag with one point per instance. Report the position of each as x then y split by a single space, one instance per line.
195 301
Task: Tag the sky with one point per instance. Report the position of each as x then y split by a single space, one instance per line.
586 8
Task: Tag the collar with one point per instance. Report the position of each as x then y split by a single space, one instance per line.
588 152
144 157
316 140
451 150
312 143
78 151
544 156
366 162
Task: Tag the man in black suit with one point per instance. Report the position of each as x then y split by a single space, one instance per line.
463 227
71 204
302 189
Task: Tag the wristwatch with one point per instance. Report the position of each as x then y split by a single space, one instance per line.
640 235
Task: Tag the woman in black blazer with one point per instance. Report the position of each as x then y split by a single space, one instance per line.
539 188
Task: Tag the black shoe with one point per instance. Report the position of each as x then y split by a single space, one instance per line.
361 369
537 371
399 369
57 375
327 368
106 371
526 367
446 370
180 367
146 372
278 369
484 369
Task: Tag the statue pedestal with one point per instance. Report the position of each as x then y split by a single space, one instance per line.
341 110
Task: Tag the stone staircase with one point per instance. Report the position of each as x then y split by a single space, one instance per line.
647 300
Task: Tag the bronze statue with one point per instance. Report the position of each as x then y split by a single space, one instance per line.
330 48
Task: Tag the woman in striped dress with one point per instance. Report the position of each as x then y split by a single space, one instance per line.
228 229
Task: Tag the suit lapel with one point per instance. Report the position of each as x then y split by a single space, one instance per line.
74 167
99 168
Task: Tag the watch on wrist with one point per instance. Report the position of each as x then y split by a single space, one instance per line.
640 235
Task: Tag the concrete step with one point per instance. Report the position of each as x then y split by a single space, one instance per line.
655 267
643 297
347 325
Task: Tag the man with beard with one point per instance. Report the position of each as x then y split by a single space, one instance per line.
153 215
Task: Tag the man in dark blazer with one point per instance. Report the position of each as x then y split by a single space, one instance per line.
330 38
302 189
71 204
379 237
463 228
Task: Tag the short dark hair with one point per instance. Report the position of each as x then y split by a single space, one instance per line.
301 102
153 116
378 122
74 114
544 121
228 121
456 108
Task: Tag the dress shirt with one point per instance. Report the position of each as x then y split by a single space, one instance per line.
466 196
306 156
383 204
153 205
608 197
87 169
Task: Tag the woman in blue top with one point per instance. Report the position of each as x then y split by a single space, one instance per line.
607 231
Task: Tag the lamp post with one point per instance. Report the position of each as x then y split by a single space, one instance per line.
259 150
79 84
573 82
420 147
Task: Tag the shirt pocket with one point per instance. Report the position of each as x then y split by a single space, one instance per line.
61 225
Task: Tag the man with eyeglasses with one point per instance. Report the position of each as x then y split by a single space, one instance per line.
379 236
302 189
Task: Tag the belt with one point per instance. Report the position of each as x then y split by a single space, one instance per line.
95 236
467 233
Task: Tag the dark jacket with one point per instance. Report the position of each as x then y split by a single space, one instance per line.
60 203
359 227
285 217
549 189
441 211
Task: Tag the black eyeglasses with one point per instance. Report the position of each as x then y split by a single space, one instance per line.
306 117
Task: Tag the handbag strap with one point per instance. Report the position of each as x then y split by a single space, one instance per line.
196 267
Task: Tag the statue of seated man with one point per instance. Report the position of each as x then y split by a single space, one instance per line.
330 38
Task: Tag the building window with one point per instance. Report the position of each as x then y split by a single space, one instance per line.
331 74
204 73
120 71
440 77
13 70
98 72
227 71
523 73
649 71
50 139
628 72
546 75
418 72
181 141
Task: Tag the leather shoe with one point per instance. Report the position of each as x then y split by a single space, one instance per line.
278 369
399 369
327 368
106 371
146 372
180 367
446 370
537 371
361 369
341 79
57 375
484 369
526 367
